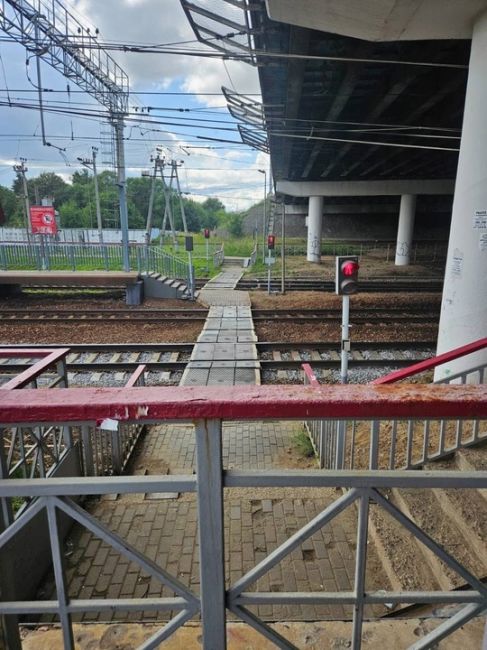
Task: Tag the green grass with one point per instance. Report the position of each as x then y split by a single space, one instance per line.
302 444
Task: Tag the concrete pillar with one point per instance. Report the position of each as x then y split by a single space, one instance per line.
315 216
405 229
463 316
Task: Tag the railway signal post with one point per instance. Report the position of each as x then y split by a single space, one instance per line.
346 283
269 260
188 244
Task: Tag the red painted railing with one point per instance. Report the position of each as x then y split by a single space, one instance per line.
244 403
48 359
431 363
310 377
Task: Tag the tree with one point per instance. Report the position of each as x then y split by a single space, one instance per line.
195 215
49 185
12 208
233 221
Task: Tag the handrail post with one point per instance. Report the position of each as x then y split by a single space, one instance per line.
211 536
374 445
9 630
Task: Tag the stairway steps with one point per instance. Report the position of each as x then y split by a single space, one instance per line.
431 514
402 560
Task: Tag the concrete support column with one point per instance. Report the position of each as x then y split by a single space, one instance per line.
315 216
463 316
405 229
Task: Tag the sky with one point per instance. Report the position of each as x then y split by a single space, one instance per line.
210 168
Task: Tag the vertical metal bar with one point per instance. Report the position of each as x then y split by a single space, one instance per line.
37 432
392 451
458 434
116 452
340 446
283 248
426 440
442 437
352 445
322 448
124 226
374 445
211 538
8 624
409 445
59 574
62 372
360 566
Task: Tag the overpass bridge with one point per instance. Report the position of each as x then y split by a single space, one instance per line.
366 100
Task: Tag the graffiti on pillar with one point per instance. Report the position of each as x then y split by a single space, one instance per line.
403 249
315 246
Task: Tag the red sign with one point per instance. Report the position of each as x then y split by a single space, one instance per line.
43 220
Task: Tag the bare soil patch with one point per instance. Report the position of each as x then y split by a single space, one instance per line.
302 332
322 300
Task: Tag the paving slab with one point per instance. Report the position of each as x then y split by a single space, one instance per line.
228 337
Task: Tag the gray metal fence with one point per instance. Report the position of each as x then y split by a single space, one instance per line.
219 257
395 444
86 257
361 489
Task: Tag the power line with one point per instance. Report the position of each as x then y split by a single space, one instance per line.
144 48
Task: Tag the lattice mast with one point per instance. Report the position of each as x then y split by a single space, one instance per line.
48 30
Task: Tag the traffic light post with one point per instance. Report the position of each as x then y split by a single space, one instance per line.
188 244
207 240
346 283
271 242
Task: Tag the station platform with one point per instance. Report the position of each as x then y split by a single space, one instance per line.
225 353
75 279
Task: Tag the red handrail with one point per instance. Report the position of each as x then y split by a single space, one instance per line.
428 364
308 371
50 357
136 375
351 401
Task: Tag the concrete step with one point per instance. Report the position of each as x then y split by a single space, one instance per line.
158 286
402 560
455 519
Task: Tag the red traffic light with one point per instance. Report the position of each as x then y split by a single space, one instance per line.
207 233
271 241
350 268
346 281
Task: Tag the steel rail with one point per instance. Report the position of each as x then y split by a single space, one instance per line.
366 286
262 346
266 364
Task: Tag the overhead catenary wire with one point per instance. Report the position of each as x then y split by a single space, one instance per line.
147 48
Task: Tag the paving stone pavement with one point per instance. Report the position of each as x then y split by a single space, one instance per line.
225 353
256 522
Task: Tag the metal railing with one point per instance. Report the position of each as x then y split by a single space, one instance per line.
219 257
398 444
420 251
207 407
33 452
59 256
150 259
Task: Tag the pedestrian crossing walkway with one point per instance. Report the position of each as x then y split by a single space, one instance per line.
225 353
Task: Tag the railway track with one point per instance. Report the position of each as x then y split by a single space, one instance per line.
164 362
395 314
410 285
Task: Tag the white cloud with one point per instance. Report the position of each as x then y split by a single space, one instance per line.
223 172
